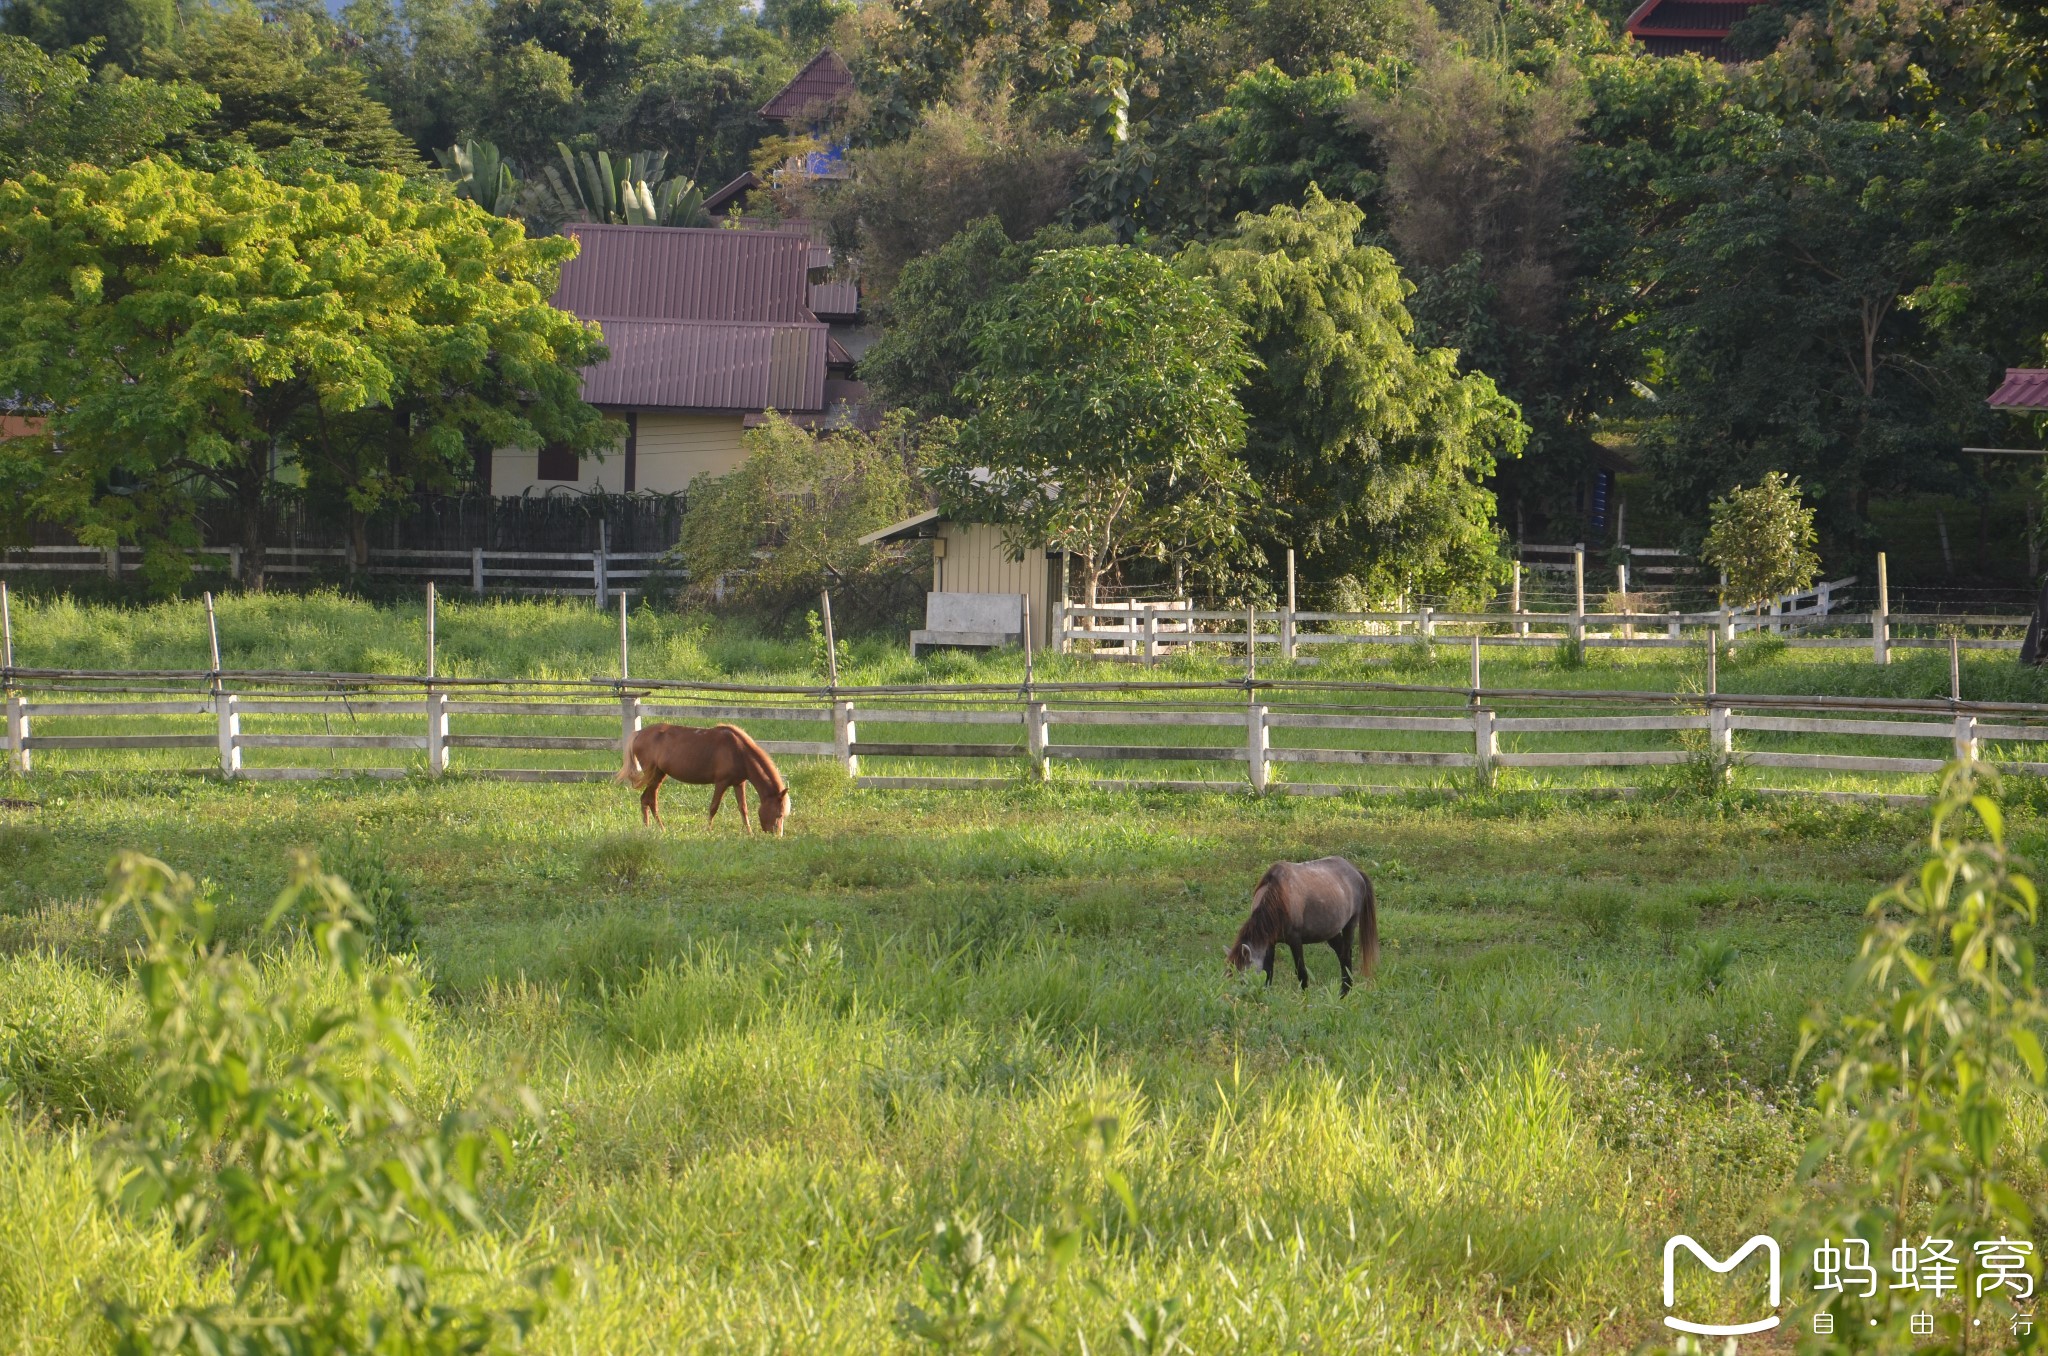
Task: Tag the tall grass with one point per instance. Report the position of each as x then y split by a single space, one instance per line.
770 1069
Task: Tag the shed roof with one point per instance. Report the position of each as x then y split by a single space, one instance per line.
907 528
819 85
2024 389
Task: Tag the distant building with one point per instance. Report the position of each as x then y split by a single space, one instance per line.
711 328
708 329
973 568
1672 27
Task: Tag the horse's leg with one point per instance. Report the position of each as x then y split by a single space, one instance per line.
717 795
1341 944
739 791
1270 953
1300 965
650 803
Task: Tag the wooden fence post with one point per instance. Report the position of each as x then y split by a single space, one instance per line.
1425 629
1287 617
1966 739
235 563
1251 645
625 670
1955 669
831 641
1065 620
1151 636
1257 746
476 571
844 734
1037 734
1881 620
18 754
1721 730
1515 603
597 582
437 733
226 709
1579 592
1485 744
430 628
629 722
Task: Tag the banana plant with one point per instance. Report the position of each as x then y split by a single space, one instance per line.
481 175
633 190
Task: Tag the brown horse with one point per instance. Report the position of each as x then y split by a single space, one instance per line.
1326 900
722 757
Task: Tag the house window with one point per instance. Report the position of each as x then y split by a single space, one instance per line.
558 463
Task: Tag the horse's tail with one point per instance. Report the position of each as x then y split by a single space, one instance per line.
629 773
1368 930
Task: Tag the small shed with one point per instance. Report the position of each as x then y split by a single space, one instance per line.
975 576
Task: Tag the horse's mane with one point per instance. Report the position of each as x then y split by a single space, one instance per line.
758 756
1268 913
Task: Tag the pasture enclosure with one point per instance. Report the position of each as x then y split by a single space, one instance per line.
1262 735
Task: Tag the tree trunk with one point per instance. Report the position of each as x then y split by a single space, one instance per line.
358 540
1094 587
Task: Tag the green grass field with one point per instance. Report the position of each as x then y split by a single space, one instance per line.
768 1068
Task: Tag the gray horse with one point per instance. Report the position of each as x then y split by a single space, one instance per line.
1326 900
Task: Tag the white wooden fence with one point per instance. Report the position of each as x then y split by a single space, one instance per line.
1252 734
590 574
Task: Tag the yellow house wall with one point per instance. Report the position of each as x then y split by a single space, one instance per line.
671 451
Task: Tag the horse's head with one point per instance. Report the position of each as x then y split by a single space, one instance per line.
774 810
1248 955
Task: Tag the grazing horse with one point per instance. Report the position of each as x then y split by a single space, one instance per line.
1326 900
722 757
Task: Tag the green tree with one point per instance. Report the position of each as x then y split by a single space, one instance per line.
1371 455
930 318
53 113
120 28
275 87
214 338
1106 420
1763 538
1788 267
788 521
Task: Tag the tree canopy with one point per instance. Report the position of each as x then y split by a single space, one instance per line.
1106 421
221 335
1371 455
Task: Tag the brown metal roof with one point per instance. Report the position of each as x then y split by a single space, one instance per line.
2024 389
698 319
835 300
709 365
678 273
732 189
818 86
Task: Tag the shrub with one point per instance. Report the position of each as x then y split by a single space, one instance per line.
1919 1104
788 521
1763 538
277 1130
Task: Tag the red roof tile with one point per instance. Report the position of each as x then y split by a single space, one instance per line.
2024 389
817 87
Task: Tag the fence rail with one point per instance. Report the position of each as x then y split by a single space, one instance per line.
1147 632
1286 736
600 574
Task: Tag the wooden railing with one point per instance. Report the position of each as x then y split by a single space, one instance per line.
599 574
1244 735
